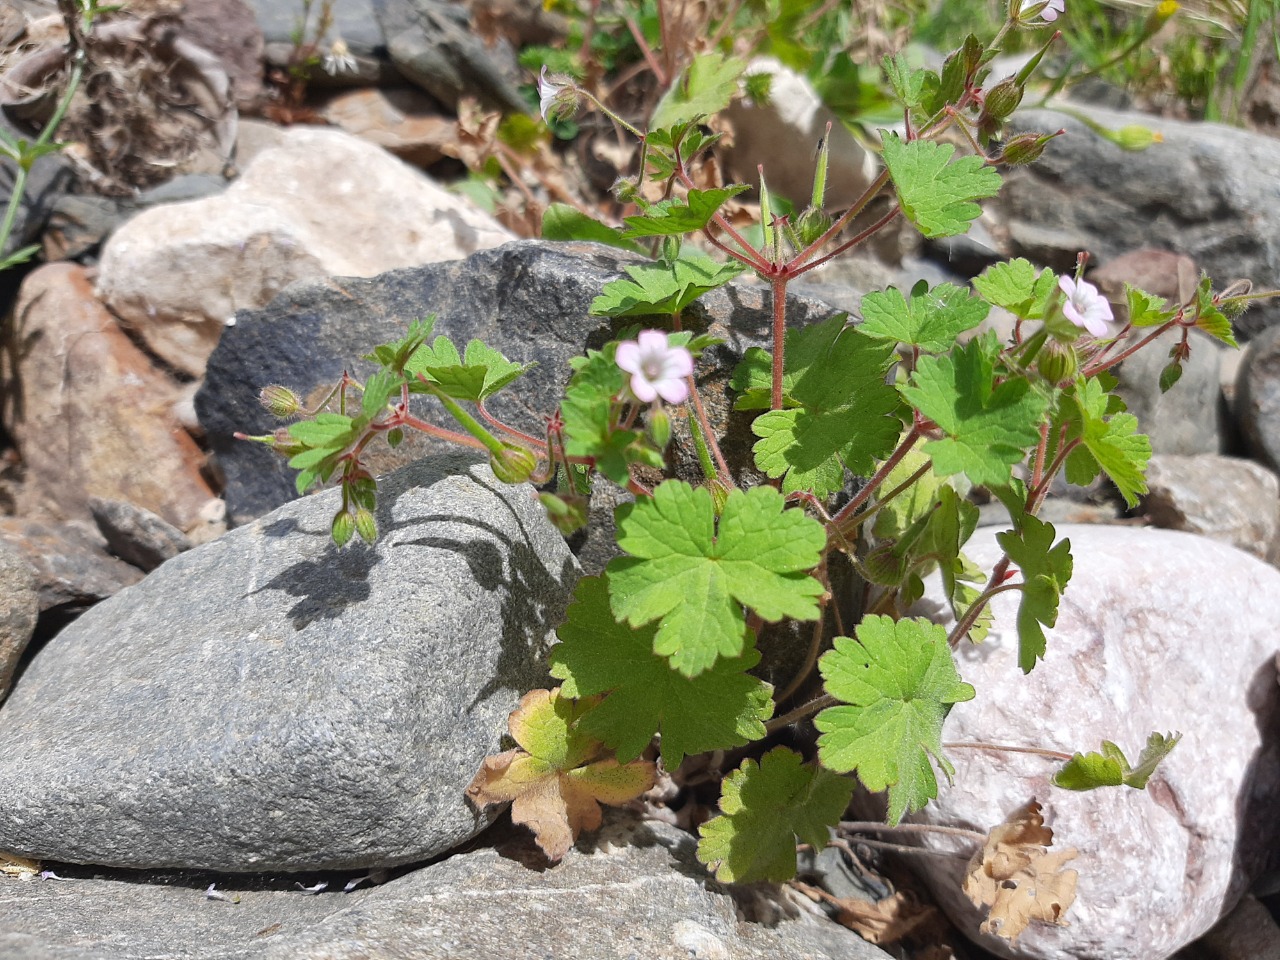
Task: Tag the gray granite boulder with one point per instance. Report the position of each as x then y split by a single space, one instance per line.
1158 631
268 702
1209 191
634 890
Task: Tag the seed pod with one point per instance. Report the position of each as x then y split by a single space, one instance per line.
626 189
283 443
513 464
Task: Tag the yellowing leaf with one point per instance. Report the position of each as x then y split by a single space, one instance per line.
1018 879
559 776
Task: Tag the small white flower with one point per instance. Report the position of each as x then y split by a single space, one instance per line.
1049 11
555 98
339 59
657 369
1085 307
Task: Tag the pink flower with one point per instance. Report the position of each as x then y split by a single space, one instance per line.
657 369
1049 11
1085 307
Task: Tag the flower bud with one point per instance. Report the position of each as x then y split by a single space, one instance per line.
1134 137
280 402
719 495
811 225
283 443
884 566
1026 148
1057 361
659 428
1002 99
513 464
626 189
342 528
567 513
366 525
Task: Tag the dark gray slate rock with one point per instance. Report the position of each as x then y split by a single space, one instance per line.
19 605
137 535
633 891
49 178
433 46
528 299
1209 191
268 702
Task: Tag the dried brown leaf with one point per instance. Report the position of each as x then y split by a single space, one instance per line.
556 780
1018 879
11 865
884 921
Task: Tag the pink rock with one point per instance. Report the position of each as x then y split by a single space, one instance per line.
1158 631
89 412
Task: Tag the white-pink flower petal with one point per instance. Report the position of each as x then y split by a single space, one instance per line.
1085 306
657 368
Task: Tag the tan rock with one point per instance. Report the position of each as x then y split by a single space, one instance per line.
322 203
88 411
402 120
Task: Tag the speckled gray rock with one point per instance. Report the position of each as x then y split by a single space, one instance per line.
529 299
1209 191
267 702
1157 631
70 561
1232 500
19 605
633 891
1257 398
1189 418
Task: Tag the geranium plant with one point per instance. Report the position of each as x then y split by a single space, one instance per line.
867 437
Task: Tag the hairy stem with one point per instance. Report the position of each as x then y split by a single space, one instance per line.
1005 748
800 712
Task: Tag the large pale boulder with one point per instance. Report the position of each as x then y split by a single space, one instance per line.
269 702
1157 631
321 203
